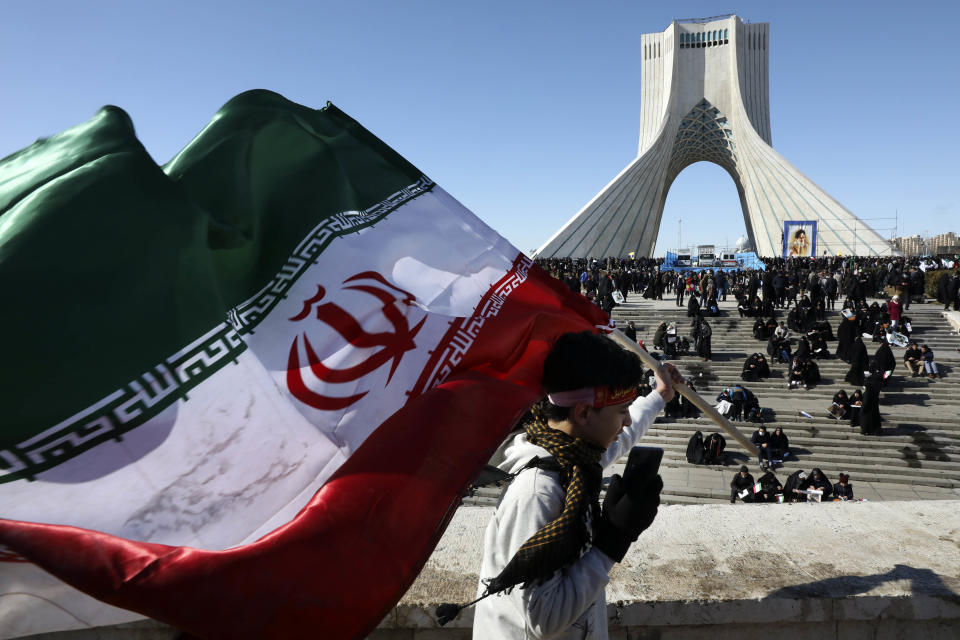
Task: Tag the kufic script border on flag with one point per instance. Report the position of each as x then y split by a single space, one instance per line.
150 393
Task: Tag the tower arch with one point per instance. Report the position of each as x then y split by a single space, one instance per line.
709 101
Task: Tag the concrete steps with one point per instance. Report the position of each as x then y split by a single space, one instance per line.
921 432
916 457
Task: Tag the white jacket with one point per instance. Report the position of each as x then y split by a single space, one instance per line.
571 603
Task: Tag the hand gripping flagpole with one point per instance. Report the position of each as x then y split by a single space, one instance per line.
684 390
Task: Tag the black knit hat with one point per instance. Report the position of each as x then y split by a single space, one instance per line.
744 468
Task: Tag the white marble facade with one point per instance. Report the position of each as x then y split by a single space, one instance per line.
705 95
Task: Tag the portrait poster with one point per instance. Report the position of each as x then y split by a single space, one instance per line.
799 238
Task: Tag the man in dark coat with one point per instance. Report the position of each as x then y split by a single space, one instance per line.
832 288
631 331
693 307
859 363
779 288
913 359
742 481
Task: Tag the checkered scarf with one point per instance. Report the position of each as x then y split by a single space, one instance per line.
563 540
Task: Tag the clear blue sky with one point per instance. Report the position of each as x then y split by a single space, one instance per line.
522 110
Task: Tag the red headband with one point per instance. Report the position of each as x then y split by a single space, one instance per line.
597 397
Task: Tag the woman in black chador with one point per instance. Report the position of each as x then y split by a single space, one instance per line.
818 346
846 333
659 336
803 372
870 413
859 362
755 367
779 445
823 328
703 333
770 486
817 480
794 480
650 293
884 361
856 405
840 407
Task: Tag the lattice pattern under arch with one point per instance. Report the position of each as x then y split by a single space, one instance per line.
704 134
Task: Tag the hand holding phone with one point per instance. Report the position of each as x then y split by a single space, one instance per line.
630 505
643 464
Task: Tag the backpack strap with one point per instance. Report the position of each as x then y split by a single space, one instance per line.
547 463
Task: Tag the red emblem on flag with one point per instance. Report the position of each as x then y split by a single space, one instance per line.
392 344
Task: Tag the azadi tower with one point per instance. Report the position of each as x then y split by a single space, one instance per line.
706 96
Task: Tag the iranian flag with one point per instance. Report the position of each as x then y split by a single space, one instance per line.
244 392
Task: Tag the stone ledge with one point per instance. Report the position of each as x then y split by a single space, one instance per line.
811 570
711 572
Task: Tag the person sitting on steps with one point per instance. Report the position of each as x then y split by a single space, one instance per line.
928 364
770 486
843 490
840 407
741 482
913 359
779 446
761 440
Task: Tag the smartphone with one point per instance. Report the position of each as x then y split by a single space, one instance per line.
642 465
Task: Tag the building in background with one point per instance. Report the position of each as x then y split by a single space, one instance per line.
910 246
943 244
705 95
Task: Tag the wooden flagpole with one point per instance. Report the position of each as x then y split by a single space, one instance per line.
684 390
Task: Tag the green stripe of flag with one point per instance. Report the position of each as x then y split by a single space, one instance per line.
111 267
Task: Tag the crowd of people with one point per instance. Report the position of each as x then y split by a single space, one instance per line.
799 487
551 541
800 291
784 282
